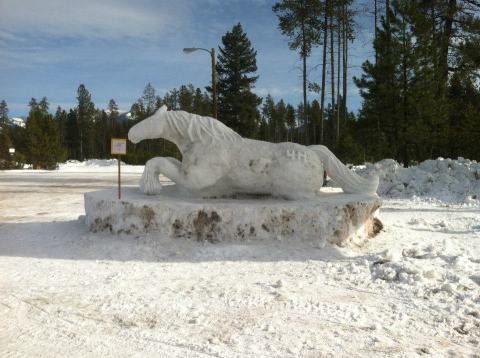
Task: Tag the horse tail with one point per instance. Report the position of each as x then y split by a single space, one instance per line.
347 179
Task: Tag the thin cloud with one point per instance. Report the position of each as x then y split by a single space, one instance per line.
48 47
87 18
276 92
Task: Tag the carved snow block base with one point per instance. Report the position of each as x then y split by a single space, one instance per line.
340 219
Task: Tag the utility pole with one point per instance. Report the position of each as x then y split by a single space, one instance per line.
188 50
214 83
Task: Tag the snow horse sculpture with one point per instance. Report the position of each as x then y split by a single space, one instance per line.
219 162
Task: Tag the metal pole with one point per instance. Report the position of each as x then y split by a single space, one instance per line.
214 84
119 192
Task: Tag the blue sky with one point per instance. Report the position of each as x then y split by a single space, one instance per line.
115 47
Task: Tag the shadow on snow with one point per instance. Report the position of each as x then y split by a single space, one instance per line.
70 240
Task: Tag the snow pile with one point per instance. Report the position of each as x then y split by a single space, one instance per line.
445 180
90 163
98 165
440 274
16 121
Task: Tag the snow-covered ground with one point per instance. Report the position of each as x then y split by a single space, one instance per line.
412 290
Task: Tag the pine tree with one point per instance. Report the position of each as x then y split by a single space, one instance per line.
43 106
464 119
201 103
5 141
61 123
301 114
332 54
72 136
16 136
280 121
113 127
172 100
45 150
145 105
415 104
236 68
85 112
148 99
324 67
3 113
315 116
34 134
268 114
263 130
300 20
185 98
275 119
348 149
347 35
290 121
379 115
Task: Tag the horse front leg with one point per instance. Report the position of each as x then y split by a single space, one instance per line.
150 183
194 173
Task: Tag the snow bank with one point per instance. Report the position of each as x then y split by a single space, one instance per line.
90 163
441 179
97 165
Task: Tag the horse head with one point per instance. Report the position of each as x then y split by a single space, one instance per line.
149 128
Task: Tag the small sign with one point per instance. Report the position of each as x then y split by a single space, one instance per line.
11 150
119 146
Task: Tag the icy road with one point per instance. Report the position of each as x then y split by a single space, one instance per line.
413 290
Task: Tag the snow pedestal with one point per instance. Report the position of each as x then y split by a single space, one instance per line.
337 218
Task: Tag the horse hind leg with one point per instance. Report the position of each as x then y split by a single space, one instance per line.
298 178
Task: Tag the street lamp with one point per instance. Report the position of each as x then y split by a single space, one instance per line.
189 50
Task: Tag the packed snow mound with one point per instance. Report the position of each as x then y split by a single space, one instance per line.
442 179
16 121
98 165
90 163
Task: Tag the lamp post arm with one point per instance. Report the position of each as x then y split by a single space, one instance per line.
193 49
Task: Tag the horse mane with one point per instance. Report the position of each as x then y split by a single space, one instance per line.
194 127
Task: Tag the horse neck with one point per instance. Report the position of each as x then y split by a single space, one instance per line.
176 132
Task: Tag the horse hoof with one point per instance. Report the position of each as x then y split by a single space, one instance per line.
150 188
151 191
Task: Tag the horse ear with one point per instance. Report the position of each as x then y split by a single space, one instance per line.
161 109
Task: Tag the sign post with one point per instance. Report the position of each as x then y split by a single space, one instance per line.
11 151
119 147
